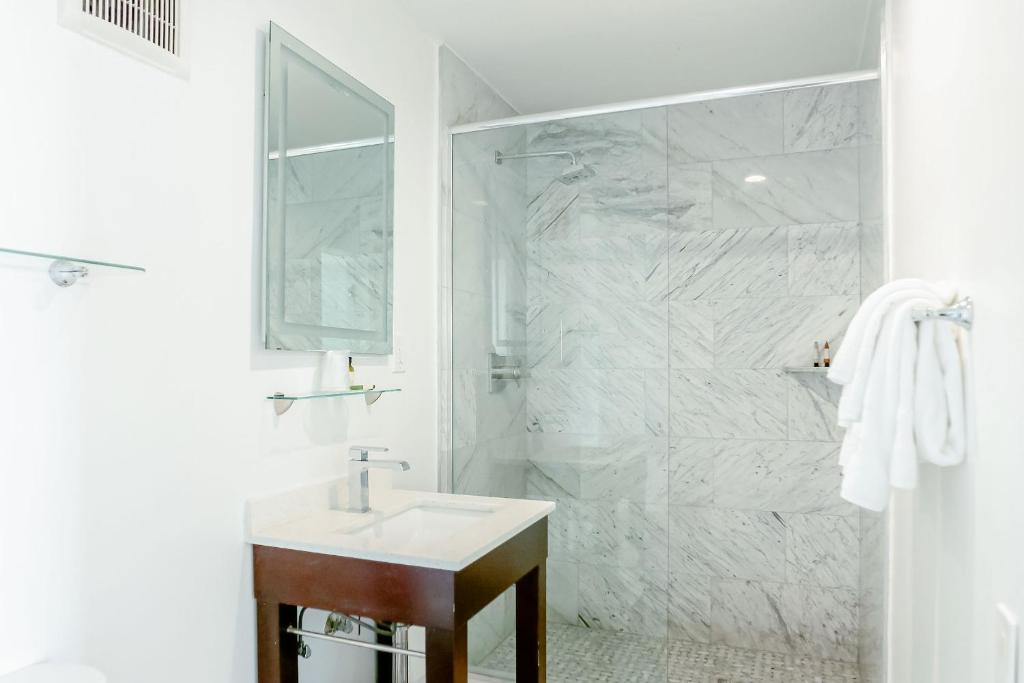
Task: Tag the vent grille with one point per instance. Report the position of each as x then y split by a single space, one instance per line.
155 21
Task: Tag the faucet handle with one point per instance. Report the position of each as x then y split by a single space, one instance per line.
363 452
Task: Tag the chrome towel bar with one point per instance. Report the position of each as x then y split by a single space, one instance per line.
960 313
355 643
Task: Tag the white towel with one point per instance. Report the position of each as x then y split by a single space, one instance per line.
845 361
871 461
940 423
903 393
858 352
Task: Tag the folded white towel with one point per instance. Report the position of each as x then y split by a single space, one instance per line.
940 423
844 364
871 462
865 341
903 392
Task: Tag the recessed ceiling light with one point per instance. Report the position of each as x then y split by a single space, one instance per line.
755 178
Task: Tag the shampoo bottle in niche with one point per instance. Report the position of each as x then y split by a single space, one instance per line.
828 355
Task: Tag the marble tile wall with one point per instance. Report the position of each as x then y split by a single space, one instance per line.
334 252
697 481
873 540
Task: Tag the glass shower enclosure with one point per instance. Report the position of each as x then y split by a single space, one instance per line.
634 303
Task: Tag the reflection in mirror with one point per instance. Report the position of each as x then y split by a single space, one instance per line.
329 201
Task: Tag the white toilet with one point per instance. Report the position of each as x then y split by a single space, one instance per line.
55 673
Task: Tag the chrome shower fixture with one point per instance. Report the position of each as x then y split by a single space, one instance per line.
576 171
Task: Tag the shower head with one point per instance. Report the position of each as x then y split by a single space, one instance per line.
575 173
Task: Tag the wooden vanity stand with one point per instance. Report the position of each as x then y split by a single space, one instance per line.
440 600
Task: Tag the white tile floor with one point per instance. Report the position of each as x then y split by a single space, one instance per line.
580 655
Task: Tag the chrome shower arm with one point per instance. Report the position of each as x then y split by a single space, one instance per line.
499 157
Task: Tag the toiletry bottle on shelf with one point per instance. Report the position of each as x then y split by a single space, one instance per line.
828 355
353 385
817 355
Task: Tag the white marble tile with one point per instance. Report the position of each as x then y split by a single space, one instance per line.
624 269
753 615
728 264
809 187
471 325
779 476
728 403
463 408
691 334
627 269
554 213
563 584
657 402
869 112
691 471
489 627
813 402
689 607
624 335
689 196
779 332
553 271
626 151
824 259
820 118
823 550
607 469
785 618
871 596
586 401
872 258
726 128
553 335
491 468
630 599
827 621
870 175
727 543
624 534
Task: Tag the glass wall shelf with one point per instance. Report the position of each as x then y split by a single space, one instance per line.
67 270
282 402
805 369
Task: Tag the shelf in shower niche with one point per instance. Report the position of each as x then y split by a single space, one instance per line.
67 270
805 370
282 402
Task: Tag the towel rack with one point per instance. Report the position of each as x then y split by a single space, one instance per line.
961 313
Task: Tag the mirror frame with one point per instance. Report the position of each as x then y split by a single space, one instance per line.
290 336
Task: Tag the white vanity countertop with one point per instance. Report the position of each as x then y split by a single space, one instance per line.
313 519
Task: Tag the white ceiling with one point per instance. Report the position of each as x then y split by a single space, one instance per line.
544 55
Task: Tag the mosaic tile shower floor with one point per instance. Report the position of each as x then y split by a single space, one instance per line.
580 655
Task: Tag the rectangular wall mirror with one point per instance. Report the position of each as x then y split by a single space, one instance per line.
328 205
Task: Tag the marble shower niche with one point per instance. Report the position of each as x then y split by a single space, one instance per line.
655 305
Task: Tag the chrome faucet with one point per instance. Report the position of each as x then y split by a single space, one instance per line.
359 475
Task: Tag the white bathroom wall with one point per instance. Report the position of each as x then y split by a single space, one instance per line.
957 102
134 425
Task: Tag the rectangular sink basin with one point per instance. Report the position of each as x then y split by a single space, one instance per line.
423 524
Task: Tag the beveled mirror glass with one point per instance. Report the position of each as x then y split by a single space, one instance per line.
329 198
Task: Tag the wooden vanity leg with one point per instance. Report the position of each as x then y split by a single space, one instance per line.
277 651
531 627
447 658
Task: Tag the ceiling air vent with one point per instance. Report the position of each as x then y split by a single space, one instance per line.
148 29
